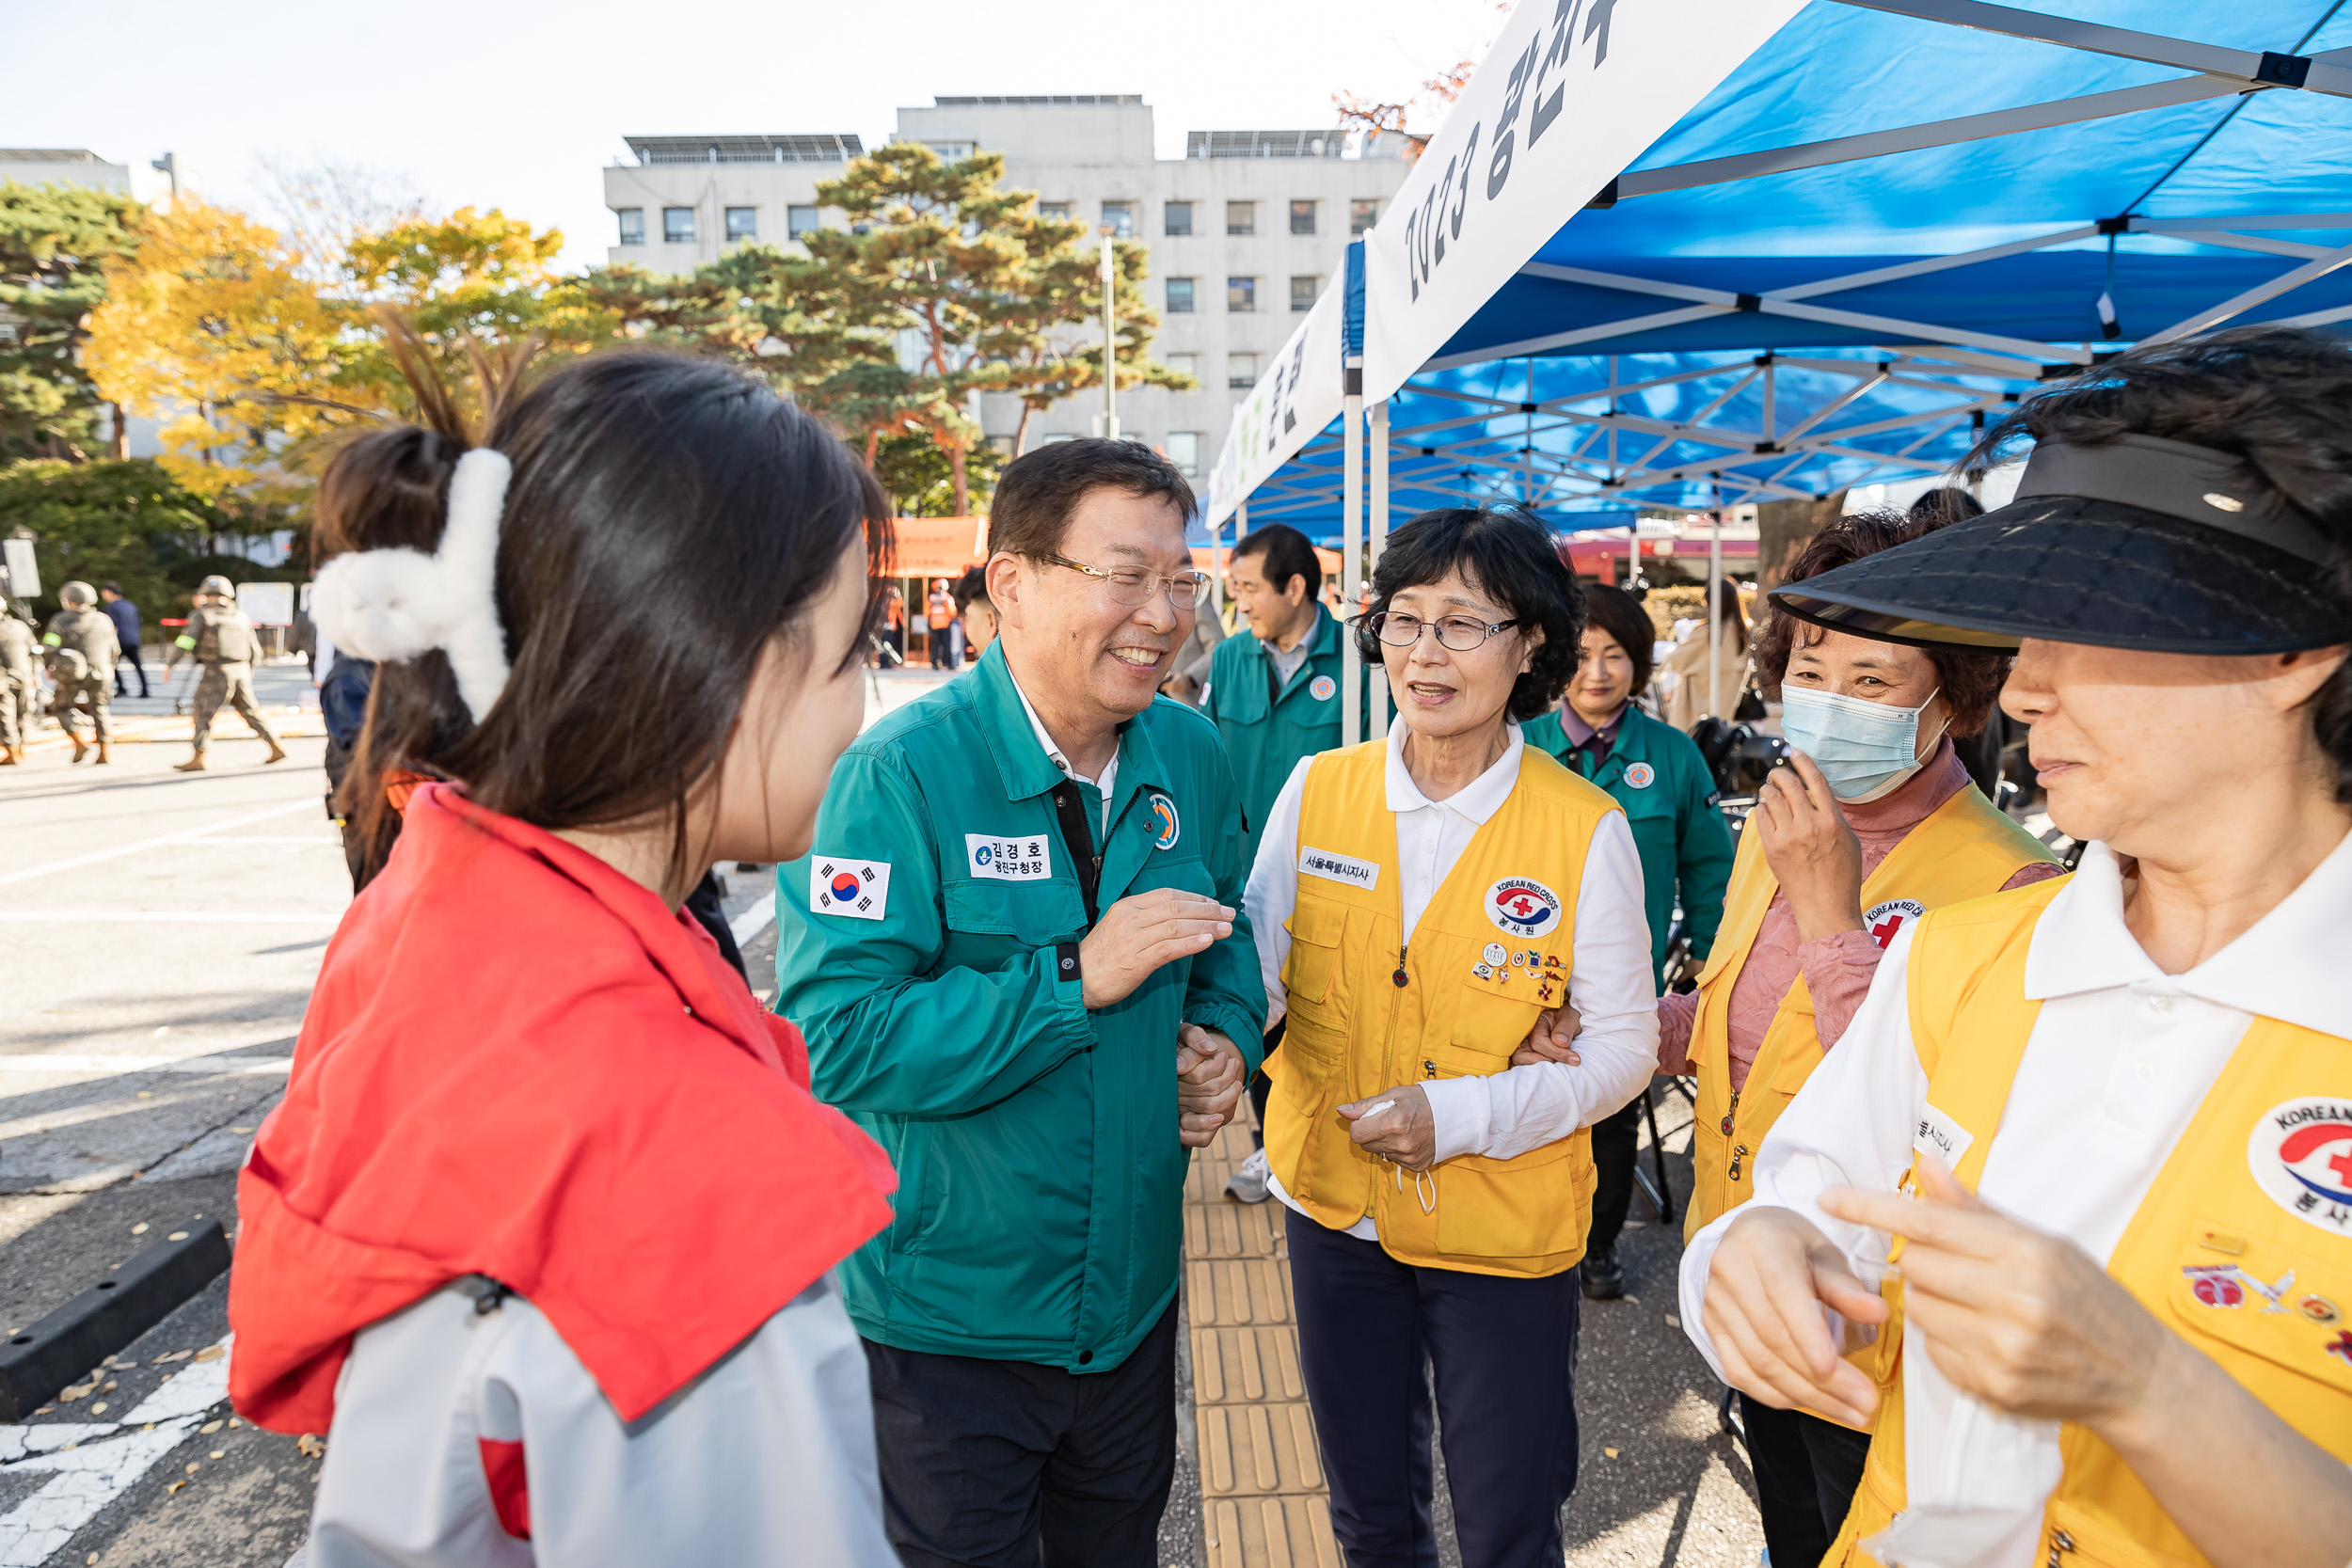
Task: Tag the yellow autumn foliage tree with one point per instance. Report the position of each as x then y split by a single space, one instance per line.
209 327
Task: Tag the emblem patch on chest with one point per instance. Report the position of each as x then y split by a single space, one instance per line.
1009 859
2300 1153
1323 689
1166 827
1639 775
1883 921
1523 907
1332 866
859 889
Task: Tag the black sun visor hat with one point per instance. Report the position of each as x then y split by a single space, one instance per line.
2135 543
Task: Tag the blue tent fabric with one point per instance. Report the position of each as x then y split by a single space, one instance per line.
1842 70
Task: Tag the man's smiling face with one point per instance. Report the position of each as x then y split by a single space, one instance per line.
1078 639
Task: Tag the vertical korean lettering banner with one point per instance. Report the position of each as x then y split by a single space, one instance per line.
1574 91
1288 407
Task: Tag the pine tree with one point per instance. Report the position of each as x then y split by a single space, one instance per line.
54 241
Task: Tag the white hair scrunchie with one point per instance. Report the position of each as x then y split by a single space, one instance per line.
394 604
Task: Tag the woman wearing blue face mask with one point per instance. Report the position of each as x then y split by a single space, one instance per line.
1875 823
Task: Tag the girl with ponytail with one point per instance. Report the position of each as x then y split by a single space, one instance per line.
541 1235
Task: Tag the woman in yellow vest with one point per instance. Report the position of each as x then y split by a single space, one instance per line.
1875 824
1422 900
2103 1127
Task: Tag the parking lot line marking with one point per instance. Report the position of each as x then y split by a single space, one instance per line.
205 1066
168 917
309 802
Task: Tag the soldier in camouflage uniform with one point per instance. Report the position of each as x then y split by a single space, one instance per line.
219 638
82 647
18 689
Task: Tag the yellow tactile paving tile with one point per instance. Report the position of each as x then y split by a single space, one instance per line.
1271 1533
1260 1474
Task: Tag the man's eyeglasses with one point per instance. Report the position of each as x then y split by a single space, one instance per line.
1461 633
1134 586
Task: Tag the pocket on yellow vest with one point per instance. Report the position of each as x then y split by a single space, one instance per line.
1318 928
1310 1065
1533 1206
1493 1017
2261 1294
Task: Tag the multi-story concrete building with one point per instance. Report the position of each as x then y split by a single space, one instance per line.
1244 231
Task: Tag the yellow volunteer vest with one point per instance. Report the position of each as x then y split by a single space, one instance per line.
1493 949
2243 1245
1963 850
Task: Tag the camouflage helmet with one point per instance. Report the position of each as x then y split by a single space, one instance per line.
216 585
77 595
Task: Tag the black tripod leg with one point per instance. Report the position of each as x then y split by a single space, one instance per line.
1658 1151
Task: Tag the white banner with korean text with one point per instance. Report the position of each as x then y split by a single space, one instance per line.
1288 407
1572 93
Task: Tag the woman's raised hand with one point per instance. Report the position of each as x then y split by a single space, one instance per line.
1810 847
1771 1276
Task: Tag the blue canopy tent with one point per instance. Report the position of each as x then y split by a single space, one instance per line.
1892 218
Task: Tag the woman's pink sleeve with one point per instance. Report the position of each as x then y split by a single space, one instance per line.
1837 970
1674 1012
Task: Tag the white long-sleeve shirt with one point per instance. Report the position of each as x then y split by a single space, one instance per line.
2120 1056
765 1460
1610 983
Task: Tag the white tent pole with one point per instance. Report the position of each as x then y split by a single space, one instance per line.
1351 542
1714 605
1380 717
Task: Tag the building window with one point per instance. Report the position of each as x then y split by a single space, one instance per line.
1180 296
1001 446
633 223
742 224
1178 219
1241 293
801 220
1302 217
1362 215
952 152
1241 371
1241 217
1119 218
1058 211
677 226
1183 450
1303 293
1183 364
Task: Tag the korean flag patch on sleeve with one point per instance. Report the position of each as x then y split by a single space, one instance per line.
857 889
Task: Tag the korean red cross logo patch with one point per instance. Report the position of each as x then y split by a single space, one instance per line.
1883 921
2300 1153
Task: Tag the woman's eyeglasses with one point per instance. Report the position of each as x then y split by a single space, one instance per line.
1134 586
1461 633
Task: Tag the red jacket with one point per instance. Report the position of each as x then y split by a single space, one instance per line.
517 1062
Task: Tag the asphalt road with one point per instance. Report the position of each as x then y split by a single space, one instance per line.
163 932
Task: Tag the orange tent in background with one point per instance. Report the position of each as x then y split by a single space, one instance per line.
937 547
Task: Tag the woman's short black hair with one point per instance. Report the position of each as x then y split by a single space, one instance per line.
1510 555
1610 609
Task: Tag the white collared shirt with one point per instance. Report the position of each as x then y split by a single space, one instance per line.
1610 980
1109 778
2120 1057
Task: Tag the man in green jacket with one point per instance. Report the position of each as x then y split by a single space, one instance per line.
1275 695
1656 773
1017 953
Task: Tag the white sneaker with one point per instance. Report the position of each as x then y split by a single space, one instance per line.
1248 1181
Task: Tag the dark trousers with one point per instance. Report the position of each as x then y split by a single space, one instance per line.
1615 1139
1504 1353
992 1463
130 657
1806 1471
1260 1085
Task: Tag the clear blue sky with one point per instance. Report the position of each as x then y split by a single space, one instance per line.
492 103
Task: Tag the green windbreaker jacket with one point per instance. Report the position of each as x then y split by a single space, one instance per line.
1040 1179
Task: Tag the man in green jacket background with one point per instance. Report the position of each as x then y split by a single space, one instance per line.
1274 696
1656 773
1017 953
